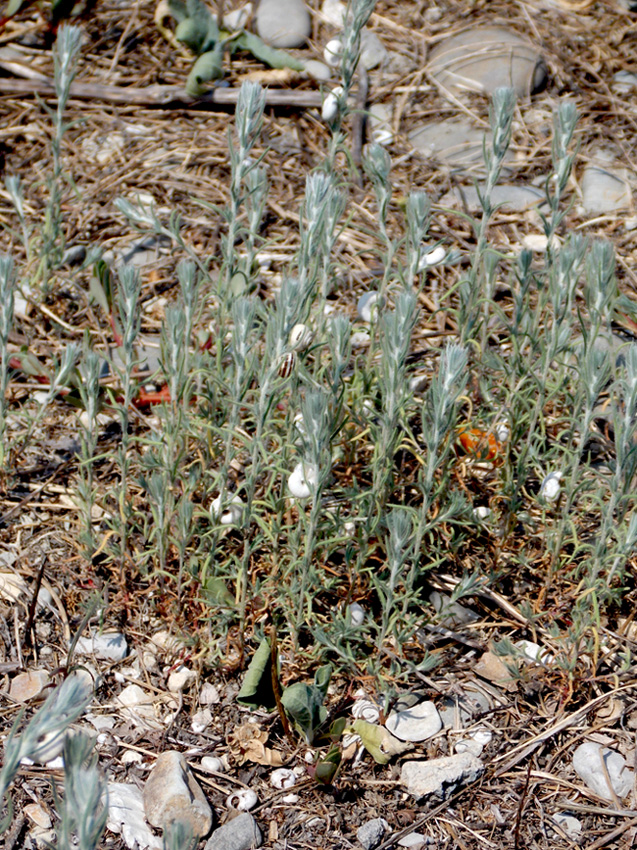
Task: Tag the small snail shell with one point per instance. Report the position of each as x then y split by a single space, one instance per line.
242 800
300 337
303 480
287 364
282 778
368 305
333 51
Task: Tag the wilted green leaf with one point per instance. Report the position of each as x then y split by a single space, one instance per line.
304 703
257 688
100 286
326 769
192 34
270 55
12 8
215 590
178 10
208 67
378 741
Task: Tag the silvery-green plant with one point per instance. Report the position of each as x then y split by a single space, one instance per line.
65 58
89 388
471 288
83 808
46 731
7 289
395 328
564 123
248 123
128 292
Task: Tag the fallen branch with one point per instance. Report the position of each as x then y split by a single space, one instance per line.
161 97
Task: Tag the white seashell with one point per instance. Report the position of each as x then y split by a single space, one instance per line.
333 52
551 486
356 614
303 480
367 307
382 136
290 798
331 106
282 778
481 513
308 758
233 514
301 337
365 709
433 258
242 800
502 432
360 339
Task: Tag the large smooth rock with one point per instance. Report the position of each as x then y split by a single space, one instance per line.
456 142
172 794
241 833
483 59
587 763
109 646
440 778
507 197
605 188
284 23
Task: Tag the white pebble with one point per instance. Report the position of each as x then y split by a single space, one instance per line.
356 614
212 764
481 513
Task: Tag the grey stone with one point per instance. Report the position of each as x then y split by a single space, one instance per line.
482 59
126 817
571 825
456 142
605 189
27 686
440 778
172 794
284 23
452 614
417 723
109 646
507 196
241 833
587 763
459 711
371 833
317 70
373 51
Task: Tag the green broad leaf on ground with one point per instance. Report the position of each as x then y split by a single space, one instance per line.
256 690
304 703
271 56
209 66
379 742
